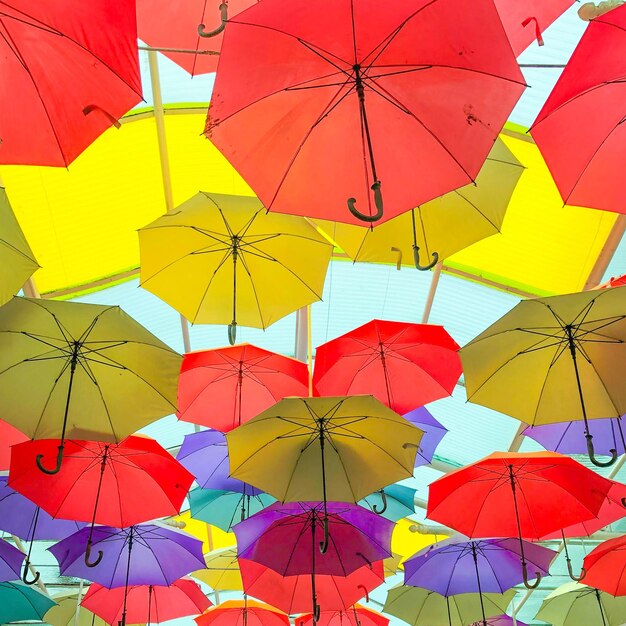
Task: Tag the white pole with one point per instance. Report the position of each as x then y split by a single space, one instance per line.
79 597
434 281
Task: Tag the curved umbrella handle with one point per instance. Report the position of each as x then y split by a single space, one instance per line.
316 612
25 578
232 333
223 8
623 502
378 201
324 542
538 36
583 572
416 258
90 108
592 457
525 574
88 562
383 496
57 467
365 592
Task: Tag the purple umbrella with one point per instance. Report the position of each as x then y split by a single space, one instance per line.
434 432
10 562
283 538
205 455
22 518
565 437
145 554
501 620
458 565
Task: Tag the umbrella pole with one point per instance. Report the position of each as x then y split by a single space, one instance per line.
122 622
480 591
449 613
25 578
583 571
245 609
232 327
316 608
519 534
588 435
88 561
324 543
600 606
239 391
243 503
61 448
416 250
149 604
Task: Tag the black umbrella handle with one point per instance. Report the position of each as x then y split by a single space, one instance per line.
527 584
25 579
324 542
223 8
88 561
378 202
383 496
592 456
416 259
570 571
57 468
232 333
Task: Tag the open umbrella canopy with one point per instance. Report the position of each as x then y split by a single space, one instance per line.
19 602
64 613
9 436
501 620
100 375
351 83
226 387
357 615
403 365
393 502
285 537
68 80
292 594
434 432
419 606
221 571
221 259
17 262
10 562
151 604
243 613
606 567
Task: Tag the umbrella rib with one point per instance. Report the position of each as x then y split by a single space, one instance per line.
244 262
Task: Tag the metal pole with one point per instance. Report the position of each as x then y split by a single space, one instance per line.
434 281
79 597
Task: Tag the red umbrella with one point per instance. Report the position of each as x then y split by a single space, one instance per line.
356 615
329 105
583 149
606 567
118 485
292 594
175 26
404 365
146 603
68 70
525 21
243 613
9 436
226 387
527 495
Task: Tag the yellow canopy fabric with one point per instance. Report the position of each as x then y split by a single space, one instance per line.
212 537
406 543
65 612
17 262
443 225
222 570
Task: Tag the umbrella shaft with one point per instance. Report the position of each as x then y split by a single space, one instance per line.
600 606
360 90
572 349
517 519
480 591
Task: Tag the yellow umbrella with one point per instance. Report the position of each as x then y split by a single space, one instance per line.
221 259
573 604
84 371
64 613
440 227
553 359
17 262
222 570
330 448
418 606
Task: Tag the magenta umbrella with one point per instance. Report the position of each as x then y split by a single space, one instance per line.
501 620
284 538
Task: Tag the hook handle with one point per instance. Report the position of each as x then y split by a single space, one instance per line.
383 496
232 333
365 592
538 36
90 108
592 457
324 542
525 574
223 8
416 259
378 201
57 467
88 562
316 611
623 500
583 572
25 578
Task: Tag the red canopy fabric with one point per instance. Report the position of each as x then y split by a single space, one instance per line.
321 101
606 567
167 24
553 492
151 604
580 130
141 480
9 436
404 365
69 69
226 387
243 613
524 21
292 594
354 616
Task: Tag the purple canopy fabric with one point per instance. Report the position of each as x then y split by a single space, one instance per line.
205 455
10 562
448 567
434 432
281 538
18 515
159 555
568 437
500 620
